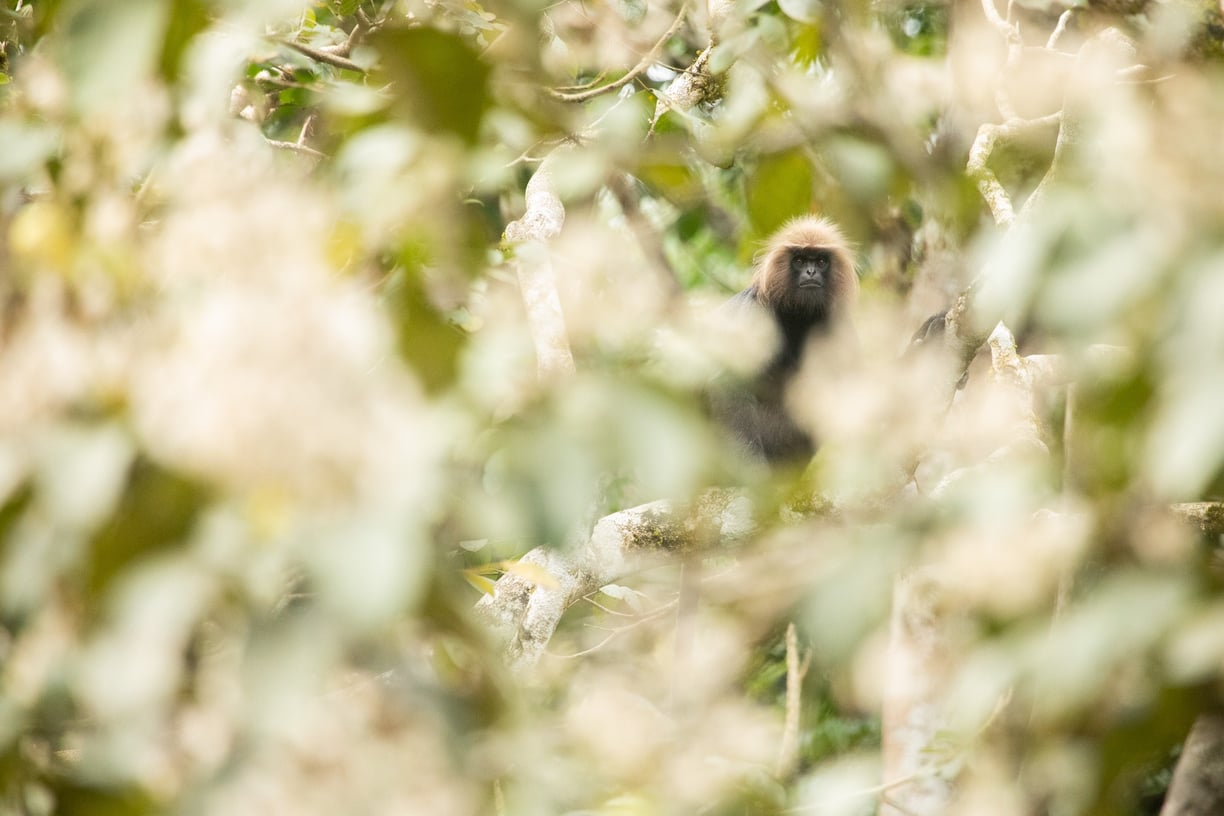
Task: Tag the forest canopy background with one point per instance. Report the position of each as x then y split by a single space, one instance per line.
310 311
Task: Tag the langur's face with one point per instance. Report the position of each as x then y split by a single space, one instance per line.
807 272
808 276
810 270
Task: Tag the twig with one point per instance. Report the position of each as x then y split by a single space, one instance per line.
796 670
1060 28
682 643
1152 81
634 72
649 616
1015 49
325 57
892 803
362 27
881 790
297 148
995 19
526 158
584 86
591 600
301 140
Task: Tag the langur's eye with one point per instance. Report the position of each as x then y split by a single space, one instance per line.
822 261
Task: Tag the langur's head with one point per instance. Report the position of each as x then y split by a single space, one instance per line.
806 270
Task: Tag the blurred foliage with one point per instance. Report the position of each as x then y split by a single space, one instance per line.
268 394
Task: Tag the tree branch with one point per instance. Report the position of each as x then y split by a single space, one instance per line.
335 60
1206 517
542 220
796 670
634 72
525 614
1197 788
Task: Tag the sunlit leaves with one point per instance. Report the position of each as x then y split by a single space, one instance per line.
480 581
479 576
807 43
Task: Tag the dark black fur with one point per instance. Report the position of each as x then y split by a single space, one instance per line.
755 411
930 335
805 281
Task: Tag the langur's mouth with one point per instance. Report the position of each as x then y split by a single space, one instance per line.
811 284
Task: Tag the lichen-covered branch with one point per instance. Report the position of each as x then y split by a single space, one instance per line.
526 613
978 167
1206 517
692 87
912 715
542 220
1197 788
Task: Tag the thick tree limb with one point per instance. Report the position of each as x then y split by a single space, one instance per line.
917 636
542 221
917 662
1197 788
692 87
988 184
1206 517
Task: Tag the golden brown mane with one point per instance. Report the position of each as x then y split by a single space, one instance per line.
772 276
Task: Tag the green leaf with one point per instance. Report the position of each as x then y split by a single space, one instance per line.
439 81
479 582
74 797
673 180
807 43
109 48
427 340
158 509
187 18
779 189
45 13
